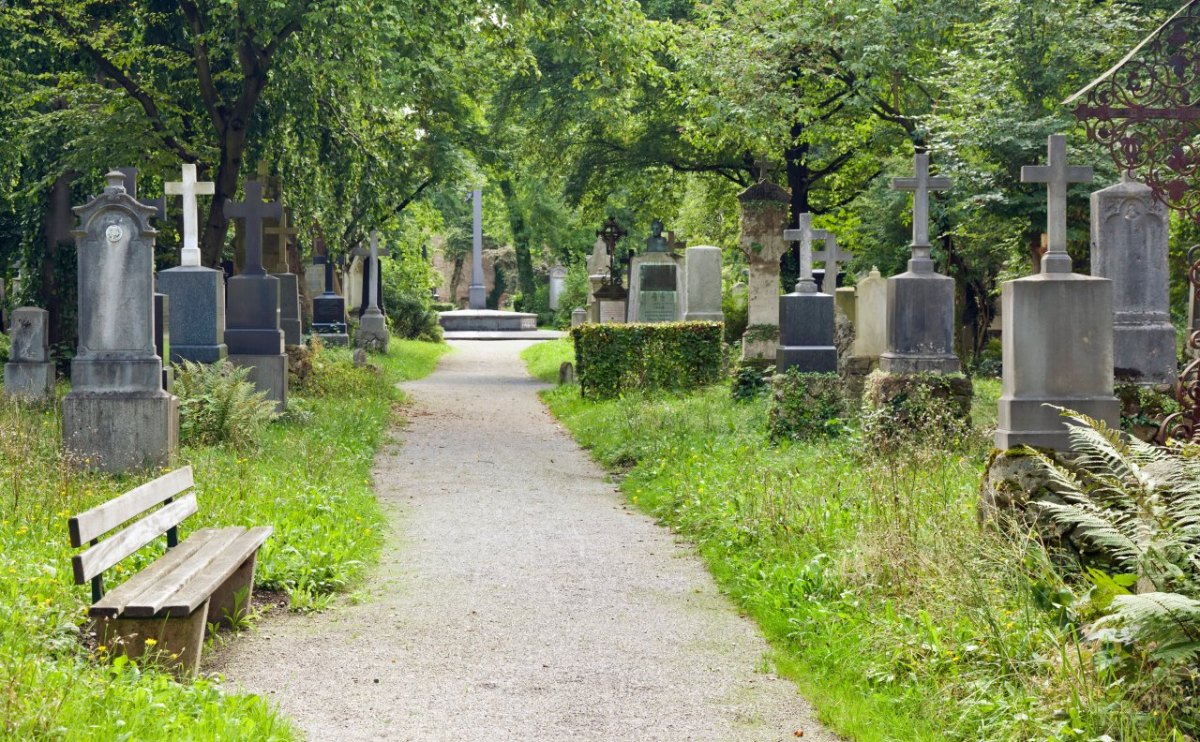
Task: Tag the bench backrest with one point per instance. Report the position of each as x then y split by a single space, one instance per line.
89 526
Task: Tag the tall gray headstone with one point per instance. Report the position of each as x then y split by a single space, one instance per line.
29 374
117 416
702 298
1129 247
806 316
477 291
1057 334
558 282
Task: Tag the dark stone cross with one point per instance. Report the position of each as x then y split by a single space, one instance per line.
763 168
253 211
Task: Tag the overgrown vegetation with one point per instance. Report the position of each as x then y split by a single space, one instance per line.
896 613
309 477
619 358
805 405
219 405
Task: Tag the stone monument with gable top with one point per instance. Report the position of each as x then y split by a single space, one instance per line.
1129 247
654 281
702 295
1057 335
764 217
806 322
29 373
920 301
197 327
252 329
117 416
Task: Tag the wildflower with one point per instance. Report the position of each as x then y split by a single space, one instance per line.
151 642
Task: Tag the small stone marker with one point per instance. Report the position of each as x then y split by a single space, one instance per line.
117 416
702 297
578 316
372 327
1129 246
920 302
806 317
1057 332
29 374
197 334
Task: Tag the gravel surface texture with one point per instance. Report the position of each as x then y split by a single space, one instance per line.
517 599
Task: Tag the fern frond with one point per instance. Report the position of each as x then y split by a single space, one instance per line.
1092 525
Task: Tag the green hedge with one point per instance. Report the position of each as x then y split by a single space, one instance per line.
612 359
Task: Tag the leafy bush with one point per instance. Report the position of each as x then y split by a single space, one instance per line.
616 358
806 406
737 315
749 382
412 318
218 405
5 347
934 409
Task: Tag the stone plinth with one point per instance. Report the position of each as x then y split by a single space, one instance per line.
197 322
702 295
484 320
29 374
1058 347
289 308
655 283
806 334
764 217
920 324
844 303
373 331
119 432
870 309
252 333
268 373
578 316
1129 247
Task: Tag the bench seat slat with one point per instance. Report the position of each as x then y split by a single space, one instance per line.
150 600
114 602
105 554
204 584
100 520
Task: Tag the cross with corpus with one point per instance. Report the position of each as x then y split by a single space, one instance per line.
253 211
832 255
285 233
188 189
805 234
1057 175
920 186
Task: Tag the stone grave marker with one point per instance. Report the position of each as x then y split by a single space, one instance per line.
329 311
599 264
806 320
764 217
289 284
702 297
372 326
655 293
578 316
29 373
558 283
870 327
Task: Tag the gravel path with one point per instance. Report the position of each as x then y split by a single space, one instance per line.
518 599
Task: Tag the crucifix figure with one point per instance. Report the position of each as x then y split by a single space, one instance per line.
920 186
1058 176
832 255
253 211
188 189
285 233
805 234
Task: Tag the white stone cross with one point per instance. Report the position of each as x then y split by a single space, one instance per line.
920 186
1058 176
805 234
189 188
832 255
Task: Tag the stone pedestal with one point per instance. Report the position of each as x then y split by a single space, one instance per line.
1129 247
806 334
252 333
268 373
654 288
870 309
578 316
920 323
612 303
372 331
29 374
197 324
118 432
1057 338
289 308
702 296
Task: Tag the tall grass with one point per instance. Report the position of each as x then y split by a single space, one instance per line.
309 478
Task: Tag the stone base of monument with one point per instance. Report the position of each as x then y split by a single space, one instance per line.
334 339
759 351
920 324
1035 422
198 323
1145 353
269 374
116 432
483 320
198 353
806 334
289 308
29 381
372 332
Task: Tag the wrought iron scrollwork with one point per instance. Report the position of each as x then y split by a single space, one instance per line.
1183 425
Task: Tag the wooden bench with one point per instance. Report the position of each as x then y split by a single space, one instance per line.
207 579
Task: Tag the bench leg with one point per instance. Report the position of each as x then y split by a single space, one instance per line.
178 641
231 601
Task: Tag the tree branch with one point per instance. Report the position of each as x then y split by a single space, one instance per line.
208 91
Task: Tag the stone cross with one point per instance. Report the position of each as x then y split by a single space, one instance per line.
253 211
285 233
805 234
1058 176
920 186
188 189
763 168
832 256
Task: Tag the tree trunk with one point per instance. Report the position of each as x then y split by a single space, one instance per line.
516 221
799 182
57 231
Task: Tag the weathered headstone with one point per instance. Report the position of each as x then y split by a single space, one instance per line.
198 330
558 283
329 311
870 326
655 281
289 283
578 316
702 299
1129 247
1057 334
372 326
806 321
252 330
764 217
29 374
920 302
117 416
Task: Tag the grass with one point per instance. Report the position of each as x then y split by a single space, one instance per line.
895 613
544 359
309 478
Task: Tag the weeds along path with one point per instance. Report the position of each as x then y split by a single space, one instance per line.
518 599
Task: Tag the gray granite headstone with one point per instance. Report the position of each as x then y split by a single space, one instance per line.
117 416
29 374
329 311
806 317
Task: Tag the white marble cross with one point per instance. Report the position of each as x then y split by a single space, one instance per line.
805 234
1058 176
832 255
189 188
920 186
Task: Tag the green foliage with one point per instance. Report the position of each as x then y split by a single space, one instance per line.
5 347
807 405
749 382
927 409
544 359
412 318
737 315
218 405
614 359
